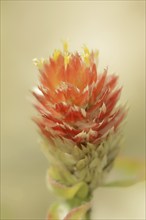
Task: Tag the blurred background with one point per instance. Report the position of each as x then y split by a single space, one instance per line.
32 29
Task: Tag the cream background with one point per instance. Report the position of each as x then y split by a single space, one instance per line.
33 29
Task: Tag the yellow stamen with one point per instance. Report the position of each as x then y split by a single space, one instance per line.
56 54
86 55
66 59
86 59
86 50
65 46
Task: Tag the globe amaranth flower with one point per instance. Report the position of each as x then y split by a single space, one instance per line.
79 116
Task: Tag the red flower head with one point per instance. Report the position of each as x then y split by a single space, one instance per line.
75 101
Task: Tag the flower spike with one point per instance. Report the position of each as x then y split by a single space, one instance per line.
80 121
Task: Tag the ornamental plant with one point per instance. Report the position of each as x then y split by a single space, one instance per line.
80 123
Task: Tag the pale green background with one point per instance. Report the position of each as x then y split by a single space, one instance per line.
33 29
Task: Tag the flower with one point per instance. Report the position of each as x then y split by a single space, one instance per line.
79 116
80 122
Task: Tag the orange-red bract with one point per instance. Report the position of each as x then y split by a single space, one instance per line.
76 102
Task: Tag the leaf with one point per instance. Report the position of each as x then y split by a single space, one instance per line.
127 171
53 212
57 211
61 174
78 213
79 190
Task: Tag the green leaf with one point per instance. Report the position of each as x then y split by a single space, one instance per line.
78 213
53 212
62 175
79 190
57 211
127 171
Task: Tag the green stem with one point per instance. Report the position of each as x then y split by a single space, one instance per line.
88 215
